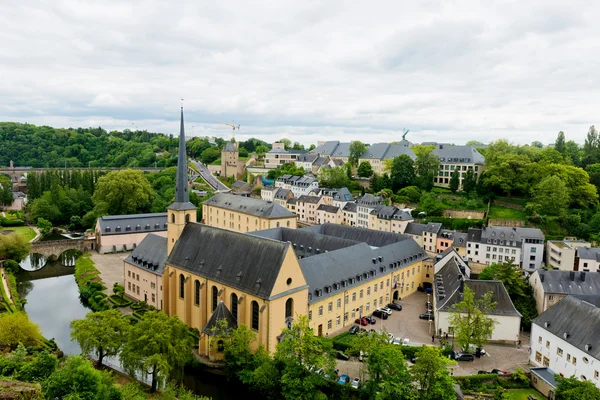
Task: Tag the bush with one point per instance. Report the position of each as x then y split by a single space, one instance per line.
40 368
11 266
410 351
344 341
118 301
413 193
11 222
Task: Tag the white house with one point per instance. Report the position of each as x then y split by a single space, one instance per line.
565 338
562 254
299 185
268 193
589 259
549 287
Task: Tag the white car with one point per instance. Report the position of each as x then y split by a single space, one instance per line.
391 337
386 310
355 383
397 341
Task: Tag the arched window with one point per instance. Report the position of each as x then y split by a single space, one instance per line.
197 292
289 308
215 296
187 218
173 218
234 305
255 315
181 286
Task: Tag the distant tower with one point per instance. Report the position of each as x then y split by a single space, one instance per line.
181 211
230 159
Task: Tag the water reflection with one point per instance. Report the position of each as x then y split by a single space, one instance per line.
33 262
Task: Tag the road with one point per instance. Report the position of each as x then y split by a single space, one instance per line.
210 178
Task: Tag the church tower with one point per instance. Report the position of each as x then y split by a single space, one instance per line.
181 211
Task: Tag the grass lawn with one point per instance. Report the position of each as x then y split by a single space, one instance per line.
513 200
25 231
521 394
498 212
216 162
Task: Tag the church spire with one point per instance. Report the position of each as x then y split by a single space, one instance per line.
182 195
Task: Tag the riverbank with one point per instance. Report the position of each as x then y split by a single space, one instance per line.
6 294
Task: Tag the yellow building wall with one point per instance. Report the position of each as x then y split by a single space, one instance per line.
143 285
241 222
176 221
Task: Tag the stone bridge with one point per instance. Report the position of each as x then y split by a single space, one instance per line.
52 249
16 172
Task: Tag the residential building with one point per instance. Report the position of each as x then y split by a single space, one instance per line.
327 214
278 156
349 212
562 254
448 290
494 244
299 185
543 380
461 157
230 161
454 239
241 188
389 219
267 193
336 197
334 149
425 234
589 259
306 208
18 203
245 214
364 206
565 338
306 161
282 196
116 233
379 152
549 287
143 270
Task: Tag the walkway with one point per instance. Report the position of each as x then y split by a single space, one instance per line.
110 267
210 178
38 234
6 288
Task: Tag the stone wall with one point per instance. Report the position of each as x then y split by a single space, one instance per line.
508 205
511 223
469 214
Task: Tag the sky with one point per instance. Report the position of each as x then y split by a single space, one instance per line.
449 71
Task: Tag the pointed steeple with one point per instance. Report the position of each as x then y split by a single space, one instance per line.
182 195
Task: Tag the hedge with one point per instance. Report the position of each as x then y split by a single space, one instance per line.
489 382
139 314
118 301
11 222
343 341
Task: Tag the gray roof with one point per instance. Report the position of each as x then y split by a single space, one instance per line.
587 253
301 181
330 273
239 184
247 205
307 158
309 199
370 200
546 374
578 319
245 262
434 227
321 160
391 213
214 328
231 147
182 195
150 254
292 200
328 208
415 228
569 282
504 305
350 207
282 193
371 237
459 154
449 277
460 239
333 148
132 223
530 233
384 151
509 236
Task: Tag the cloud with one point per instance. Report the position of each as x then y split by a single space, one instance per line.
306 70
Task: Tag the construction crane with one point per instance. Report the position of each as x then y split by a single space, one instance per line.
232 125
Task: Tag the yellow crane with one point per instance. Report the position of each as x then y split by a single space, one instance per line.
232 125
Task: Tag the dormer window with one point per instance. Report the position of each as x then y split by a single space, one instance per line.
118 229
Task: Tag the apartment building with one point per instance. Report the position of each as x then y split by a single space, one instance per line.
327 214
565 338
461 157
299 185
549 287
306 161
278 156
337 197
350 214
389 219
364 206
282 196
562 254
589 259
454 239
379 152
306 208
143 270
425 235
245 214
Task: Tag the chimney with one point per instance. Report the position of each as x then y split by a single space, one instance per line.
582 276
572 275
11 164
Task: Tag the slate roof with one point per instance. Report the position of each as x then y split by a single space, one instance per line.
383 151
586 253
371 237
434 227
231 147
292 200
545 374
391 212
333 148
257 207
448 277
328 208
213 326
302 181
531 233
320 160
415 228
370 200
282 193
458 154
509 236
245 262
459 239
150 254
309 199
307 158
350 207
327 272
504 305
577 318
132 223
557 281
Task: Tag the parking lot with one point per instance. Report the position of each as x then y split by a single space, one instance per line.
406 324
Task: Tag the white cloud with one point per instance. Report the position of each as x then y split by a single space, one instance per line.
306 70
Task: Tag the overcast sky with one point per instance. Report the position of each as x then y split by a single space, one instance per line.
449 71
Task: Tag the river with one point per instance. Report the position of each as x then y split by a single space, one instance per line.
53 302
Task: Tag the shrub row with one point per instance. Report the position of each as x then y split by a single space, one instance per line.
118 301
11 222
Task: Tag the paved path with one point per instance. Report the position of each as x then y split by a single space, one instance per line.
6 288
38 234
210 178
110 267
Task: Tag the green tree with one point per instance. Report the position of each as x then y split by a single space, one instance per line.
537 144
412 192
431 205
283 169
158 346
102 333
261 151
44 208
44 226
78 379
365 170
210 155
551 194
300 353
573 152
11 266
41 367
389 376
16 328
509 274
559 144
470 319
402 172
474 143
356 151
431 375
509 173
14 247
455 180
591 147
469 181
574 389
237 355
123 192
334 177
287 143
427 165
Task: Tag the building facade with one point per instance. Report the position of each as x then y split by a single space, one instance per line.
329 214
549 287
306 208
452 157
389 219
299 185
562 254
278 156
230 160
115 233
364 206
379 152
588 259
333 149
143 270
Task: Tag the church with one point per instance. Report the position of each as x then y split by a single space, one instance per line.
264 279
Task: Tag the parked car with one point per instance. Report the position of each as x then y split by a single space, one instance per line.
394 306
464 357
428 316
499 371
355 383
362 321
473 350
341 356
386 310
354 330
397 340
380 314
370 319
481 372
343 379
429 306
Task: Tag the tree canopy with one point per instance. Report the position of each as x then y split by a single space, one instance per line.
470 319
365 170
357 149
402 172
123 192
16 328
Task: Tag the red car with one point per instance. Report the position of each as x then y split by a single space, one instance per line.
362 321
